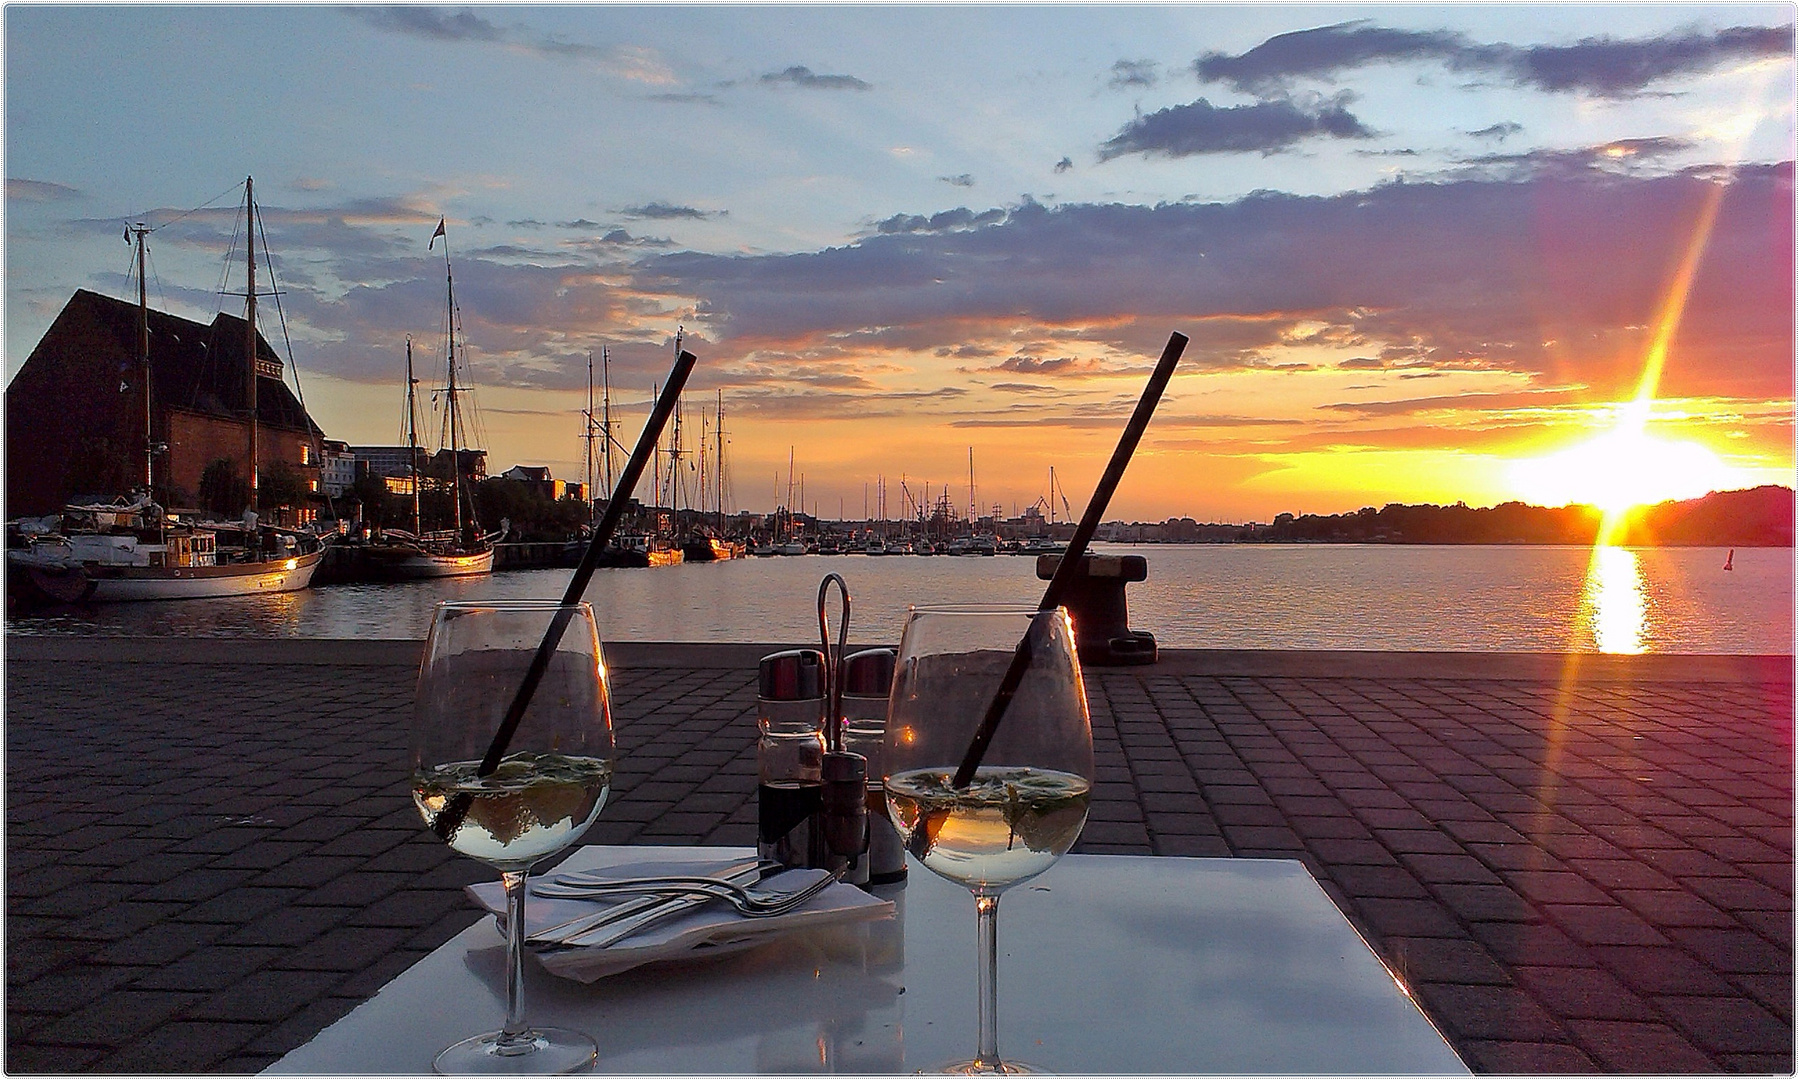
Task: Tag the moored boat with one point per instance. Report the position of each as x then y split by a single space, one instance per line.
125 551
131 549
462 550
709 549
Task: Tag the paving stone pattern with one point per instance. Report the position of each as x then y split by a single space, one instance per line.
208 862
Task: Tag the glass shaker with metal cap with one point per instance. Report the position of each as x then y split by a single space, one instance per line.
866 678
790 748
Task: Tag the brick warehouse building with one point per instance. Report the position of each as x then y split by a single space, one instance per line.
75 410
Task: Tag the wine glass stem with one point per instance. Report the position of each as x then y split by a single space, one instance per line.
987 919
515 1031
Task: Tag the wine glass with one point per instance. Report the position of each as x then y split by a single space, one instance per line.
1026 803
511 800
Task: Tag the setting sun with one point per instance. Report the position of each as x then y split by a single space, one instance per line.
1622 469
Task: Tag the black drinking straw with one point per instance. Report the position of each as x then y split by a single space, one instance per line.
456 809
1070 564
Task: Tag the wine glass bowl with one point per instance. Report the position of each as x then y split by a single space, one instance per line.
512 794
1026 800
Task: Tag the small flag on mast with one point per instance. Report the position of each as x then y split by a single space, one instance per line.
435 235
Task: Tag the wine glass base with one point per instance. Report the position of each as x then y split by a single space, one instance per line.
985 1067
543 1052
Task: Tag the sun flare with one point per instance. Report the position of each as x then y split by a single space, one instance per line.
1622 469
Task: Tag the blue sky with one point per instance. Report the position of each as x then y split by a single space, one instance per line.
1413 245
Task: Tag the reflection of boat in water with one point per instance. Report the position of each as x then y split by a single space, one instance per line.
131 551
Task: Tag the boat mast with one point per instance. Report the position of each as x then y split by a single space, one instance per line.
143 358
412 437
250 327
606 423
587 438
718 477
451 416
673 491
972 511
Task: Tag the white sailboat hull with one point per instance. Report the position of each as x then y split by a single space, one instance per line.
418 565
93 583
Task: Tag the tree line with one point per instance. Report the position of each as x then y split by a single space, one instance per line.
1754 517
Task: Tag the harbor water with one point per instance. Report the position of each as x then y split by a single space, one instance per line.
1299 596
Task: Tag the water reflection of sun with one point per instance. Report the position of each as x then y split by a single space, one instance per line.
1614 602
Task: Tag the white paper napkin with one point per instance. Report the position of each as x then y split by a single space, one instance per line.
714 928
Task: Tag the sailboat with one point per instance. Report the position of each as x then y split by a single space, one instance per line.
131 549
706 543
461 550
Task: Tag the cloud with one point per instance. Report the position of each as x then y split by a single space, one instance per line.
1460 403
1600 66
1553 282
1203 128
1061 366
435 24
1558 280
619 238
942 221
1498 132
40 191
960 180
804 77
630 62
1064 165
1127 74
661 211
687 99
1619 156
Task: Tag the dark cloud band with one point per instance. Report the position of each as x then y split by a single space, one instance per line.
1266 127
1602 66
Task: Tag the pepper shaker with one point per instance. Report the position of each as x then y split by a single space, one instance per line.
790 748
866 678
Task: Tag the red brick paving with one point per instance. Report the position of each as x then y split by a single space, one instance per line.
211 852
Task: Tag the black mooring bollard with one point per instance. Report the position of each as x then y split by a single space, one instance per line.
1095 601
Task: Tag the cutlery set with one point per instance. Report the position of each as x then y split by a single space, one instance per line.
656 899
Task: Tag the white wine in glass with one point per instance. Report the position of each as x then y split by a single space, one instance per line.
510 800
1025 804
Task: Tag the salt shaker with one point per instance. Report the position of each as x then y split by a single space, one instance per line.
790 748
866 677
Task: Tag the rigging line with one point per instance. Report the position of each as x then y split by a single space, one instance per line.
196 209
230 260
312 429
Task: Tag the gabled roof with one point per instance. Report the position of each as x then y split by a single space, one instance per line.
193 365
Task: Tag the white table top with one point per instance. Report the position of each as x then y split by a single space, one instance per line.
1108 964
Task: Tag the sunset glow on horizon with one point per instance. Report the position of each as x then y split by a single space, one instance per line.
1476 254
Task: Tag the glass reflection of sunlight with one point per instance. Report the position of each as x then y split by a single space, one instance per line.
1615 599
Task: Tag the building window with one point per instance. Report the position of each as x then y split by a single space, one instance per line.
305 454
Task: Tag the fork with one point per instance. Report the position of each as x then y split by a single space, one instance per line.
751 904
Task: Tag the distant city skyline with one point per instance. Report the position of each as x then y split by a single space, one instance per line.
1424 254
